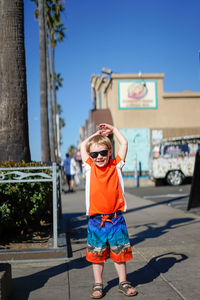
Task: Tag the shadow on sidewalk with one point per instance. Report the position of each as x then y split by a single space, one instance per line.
153 269
75 228
78 263
24 285
154 232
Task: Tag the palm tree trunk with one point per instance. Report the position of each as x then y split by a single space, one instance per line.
52 139
14 139
43 85
55 99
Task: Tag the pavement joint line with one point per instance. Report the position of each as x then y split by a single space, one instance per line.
69 287
30 251
173 287
35 260
166 196
162 276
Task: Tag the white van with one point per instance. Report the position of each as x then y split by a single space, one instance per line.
173 159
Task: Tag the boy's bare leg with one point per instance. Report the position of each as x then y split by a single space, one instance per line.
98 272
121 271
72 185
98 275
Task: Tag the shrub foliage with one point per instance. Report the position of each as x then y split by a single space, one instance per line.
24 205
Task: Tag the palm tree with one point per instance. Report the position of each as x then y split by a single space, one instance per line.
43 83
54 33
14 138
58 80
49 96
71 150
52 139
61 123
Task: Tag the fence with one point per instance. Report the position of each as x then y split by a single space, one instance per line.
54 177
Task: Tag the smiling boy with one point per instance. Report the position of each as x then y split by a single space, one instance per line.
105 202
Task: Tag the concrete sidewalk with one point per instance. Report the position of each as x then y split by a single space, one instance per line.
166 264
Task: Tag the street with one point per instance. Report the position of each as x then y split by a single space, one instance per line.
175 196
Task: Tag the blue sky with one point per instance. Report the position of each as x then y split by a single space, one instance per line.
127 36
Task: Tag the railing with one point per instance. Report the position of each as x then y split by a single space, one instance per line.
54 177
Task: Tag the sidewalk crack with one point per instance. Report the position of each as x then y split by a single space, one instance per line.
161 275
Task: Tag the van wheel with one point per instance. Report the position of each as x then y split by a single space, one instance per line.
174 177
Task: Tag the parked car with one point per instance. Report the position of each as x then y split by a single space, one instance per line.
173 159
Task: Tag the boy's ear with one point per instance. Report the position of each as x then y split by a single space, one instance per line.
110 152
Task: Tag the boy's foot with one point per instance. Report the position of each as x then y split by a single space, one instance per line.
97 291
127 289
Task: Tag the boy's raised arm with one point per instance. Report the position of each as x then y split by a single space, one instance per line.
106 129
123 143
84 153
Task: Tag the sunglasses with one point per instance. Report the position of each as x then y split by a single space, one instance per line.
102 153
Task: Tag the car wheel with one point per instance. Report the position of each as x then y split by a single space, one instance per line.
175 177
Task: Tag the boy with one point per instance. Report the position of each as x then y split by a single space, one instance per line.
107 233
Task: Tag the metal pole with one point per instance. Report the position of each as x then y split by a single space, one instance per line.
136 172
55 217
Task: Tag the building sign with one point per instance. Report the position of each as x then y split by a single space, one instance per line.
138 149
137 94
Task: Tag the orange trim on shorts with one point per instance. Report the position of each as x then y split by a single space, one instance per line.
100 257
123 256
96 258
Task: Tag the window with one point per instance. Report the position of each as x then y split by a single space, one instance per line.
173 151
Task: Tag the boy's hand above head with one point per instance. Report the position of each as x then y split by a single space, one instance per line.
105 129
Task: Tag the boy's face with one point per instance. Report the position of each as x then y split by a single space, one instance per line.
98 158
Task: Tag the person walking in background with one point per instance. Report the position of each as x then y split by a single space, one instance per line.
70 170
73 170
67 167
78 159
105 202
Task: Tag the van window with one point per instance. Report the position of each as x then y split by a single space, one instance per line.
174 151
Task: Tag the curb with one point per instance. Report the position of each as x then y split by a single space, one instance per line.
49 253
5 281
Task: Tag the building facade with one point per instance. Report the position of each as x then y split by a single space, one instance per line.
145 114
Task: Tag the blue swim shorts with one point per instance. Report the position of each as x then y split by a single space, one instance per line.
108 237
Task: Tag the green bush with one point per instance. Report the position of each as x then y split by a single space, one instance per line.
24 205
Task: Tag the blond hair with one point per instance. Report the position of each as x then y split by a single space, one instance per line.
99 140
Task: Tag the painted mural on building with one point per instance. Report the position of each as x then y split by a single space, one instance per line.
138 150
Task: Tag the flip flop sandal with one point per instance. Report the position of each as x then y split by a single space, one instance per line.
124 287
97 287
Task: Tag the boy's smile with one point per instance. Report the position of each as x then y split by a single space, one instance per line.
100 160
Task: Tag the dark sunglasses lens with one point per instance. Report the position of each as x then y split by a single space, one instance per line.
104 153
94 154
